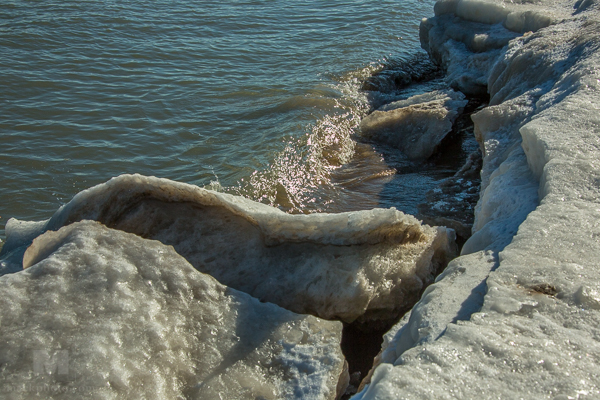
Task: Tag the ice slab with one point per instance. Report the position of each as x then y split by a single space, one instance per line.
106 314
22 233
416 125
531 330
456 294
504 203
361 265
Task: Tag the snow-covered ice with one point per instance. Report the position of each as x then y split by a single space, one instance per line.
465 49
416 125
100 313
518 315
361 265
466 37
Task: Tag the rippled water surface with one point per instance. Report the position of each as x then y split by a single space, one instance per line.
259 98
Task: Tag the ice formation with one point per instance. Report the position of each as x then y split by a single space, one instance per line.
106 314
416 125
360 265
517 315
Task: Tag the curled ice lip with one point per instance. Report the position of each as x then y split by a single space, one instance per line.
366 265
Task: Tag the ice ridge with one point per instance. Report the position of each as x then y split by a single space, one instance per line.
517 315
365 265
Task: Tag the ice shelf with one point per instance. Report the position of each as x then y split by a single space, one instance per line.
518 314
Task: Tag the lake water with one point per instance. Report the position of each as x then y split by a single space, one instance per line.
259 98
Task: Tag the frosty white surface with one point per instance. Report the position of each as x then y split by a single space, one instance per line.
503 204
106 314
468 46
466 50
531 330
366 264
442 303
416 125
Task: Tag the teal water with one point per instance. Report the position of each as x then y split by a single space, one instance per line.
259 98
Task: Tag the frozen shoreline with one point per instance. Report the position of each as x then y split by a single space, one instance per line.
68 277
517 315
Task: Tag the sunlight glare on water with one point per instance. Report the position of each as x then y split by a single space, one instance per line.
259 97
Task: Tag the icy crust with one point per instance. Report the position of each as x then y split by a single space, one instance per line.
416 125
109 201
518 317
516 15
521 354
520 84
107 314
467 37
456 294
509 190
466 50
362 265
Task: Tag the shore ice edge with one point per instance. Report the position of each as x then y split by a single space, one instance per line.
364 265
518 314
149 309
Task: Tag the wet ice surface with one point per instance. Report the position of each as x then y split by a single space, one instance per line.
416 125
110 315
451 203
362 265
517 316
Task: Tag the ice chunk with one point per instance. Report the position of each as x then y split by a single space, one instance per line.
416 125
517 15
520 354
22 233
457 293
529 65
477 37
106 314
466 50
467 37
366 264
504 204
445 97
487 12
